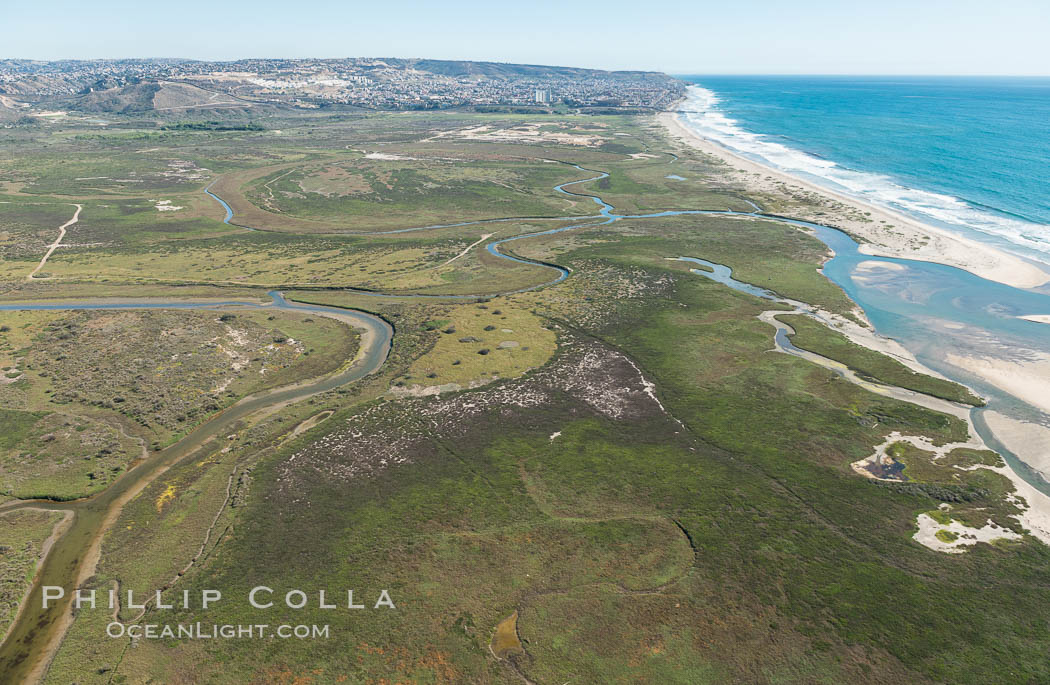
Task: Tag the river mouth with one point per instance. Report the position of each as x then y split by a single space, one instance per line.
943 316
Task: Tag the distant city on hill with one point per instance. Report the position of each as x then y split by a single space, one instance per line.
141 86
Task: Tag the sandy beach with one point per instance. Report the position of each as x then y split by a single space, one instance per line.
1026 380
883 232
1031 438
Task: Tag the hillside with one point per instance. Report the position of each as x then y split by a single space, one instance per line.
141 86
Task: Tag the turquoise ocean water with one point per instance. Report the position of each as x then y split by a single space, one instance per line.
968 154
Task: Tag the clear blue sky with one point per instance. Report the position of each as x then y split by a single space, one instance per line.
698 36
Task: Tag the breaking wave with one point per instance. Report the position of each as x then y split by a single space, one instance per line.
703 114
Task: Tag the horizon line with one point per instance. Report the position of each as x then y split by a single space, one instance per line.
669 72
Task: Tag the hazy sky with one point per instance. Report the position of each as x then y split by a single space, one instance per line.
697 36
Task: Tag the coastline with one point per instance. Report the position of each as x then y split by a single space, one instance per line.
883 232
910 239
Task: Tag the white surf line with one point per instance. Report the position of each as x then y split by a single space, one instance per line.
58 241
483 238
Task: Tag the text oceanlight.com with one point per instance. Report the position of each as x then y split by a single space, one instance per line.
203 631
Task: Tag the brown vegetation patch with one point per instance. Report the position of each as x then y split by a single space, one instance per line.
335 181
390 434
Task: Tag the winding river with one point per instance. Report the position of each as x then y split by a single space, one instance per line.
37 633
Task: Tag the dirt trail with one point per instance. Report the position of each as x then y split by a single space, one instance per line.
483 238
58 241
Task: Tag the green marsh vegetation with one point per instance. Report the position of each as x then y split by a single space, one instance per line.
815 337
97 388
632 549
644 546
355 192
426 262
975 496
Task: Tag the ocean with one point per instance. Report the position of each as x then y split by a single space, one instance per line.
968 153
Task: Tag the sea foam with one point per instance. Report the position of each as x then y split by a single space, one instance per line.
703 113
